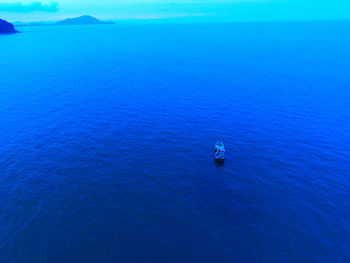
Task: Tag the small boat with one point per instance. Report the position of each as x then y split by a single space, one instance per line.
219 151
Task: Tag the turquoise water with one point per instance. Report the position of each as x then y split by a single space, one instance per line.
107 140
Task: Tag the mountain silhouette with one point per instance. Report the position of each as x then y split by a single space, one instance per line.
6 27
82 20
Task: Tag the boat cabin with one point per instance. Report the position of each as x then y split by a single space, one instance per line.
219 151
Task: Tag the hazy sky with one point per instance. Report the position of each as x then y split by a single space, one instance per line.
202 10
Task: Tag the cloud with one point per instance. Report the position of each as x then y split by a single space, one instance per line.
26 8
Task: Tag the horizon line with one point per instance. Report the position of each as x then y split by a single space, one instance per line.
194 19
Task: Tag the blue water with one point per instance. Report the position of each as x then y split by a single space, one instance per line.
107 140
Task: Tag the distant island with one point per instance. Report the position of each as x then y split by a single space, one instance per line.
7 28
82 20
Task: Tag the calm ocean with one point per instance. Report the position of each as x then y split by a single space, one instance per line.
107 140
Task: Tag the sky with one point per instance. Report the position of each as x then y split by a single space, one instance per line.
187 10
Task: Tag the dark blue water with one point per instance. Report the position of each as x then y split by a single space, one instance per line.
107 136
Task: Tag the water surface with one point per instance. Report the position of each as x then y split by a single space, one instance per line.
107 136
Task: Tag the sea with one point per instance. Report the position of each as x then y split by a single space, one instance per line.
107 137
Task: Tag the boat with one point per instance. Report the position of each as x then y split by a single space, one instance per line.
219 151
